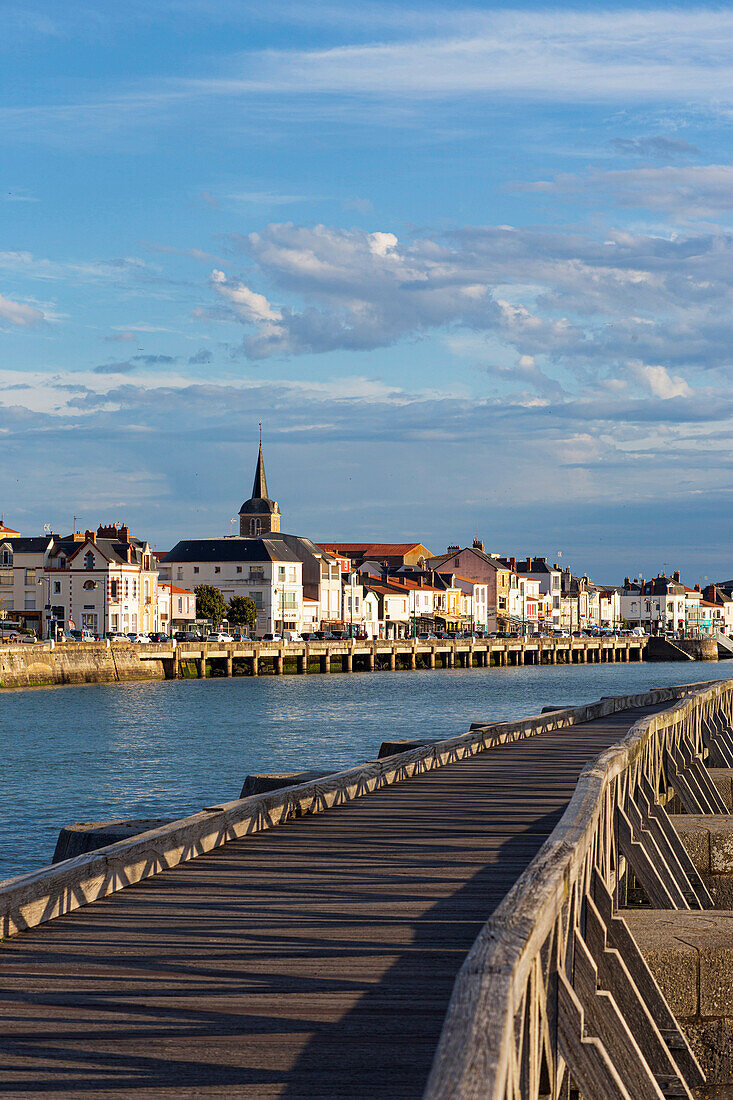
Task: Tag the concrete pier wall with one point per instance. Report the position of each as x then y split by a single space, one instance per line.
74 663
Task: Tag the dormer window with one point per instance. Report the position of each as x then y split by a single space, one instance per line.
89 560
7 556
62 563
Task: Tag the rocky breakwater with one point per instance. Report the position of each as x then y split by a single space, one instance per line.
74 663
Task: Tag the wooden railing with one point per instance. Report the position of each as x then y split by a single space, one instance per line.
555 1000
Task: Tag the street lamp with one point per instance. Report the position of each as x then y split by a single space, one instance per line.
46 617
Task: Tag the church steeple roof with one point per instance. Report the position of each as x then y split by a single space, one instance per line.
259 503
259 488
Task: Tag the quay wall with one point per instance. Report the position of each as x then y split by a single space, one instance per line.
74 663
26 665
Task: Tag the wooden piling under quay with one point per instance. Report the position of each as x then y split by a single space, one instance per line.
356 655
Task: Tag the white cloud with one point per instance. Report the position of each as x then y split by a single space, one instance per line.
690 191
659 382
20 314
247 304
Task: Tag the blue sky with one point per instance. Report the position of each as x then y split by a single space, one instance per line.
470 266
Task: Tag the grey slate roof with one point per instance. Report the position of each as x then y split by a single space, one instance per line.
231 549
32 545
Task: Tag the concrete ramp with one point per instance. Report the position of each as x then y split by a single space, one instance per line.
725 646
662 649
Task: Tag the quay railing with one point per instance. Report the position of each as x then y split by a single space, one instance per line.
555 1000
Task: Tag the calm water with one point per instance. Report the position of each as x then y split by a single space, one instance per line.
166 749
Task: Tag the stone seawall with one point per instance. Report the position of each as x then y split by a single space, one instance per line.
74 663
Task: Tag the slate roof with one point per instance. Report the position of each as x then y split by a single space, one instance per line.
32 545
231 549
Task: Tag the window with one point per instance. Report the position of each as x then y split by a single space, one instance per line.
195 568
89 560
217 569
30 603
7 557
113 590
356 603
281 572
180 604
30 576
257 597
255 528
127 588
239 568
56 588
88 585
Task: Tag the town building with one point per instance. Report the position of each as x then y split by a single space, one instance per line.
474 563
182 614
717 595
656 605
266 569
104 581
22 594
550 585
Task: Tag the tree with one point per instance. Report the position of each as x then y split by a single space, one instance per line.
210 604
243 611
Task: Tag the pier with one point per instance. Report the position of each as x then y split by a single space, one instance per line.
445 921
253 658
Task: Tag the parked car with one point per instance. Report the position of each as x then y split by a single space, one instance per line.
238 636
82 635
560 632
292 636
219 636
187 636
159 636
425 636
308 636
272 637
139 639
118 636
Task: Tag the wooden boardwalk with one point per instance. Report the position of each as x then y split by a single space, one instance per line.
313 960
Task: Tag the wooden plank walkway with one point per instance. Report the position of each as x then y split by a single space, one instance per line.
315 960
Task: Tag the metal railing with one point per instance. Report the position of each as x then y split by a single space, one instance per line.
555 998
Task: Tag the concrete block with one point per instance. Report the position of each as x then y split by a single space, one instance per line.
723 780
391 748
275 781
709 840
668 946
694 832
87 836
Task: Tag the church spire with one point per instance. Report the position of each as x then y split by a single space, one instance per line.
259 515
259 488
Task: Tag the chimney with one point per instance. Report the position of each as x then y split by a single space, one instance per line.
697 587
543 560
453 550
528 565
676 576
90 535
478 544
513 564
627 582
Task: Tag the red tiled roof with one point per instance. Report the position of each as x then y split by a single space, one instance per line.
368 548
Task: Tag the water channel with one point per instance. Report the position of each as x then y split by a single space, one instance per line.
166 749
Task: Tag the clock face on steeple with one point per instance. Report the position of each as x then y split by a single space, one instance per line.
259 515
